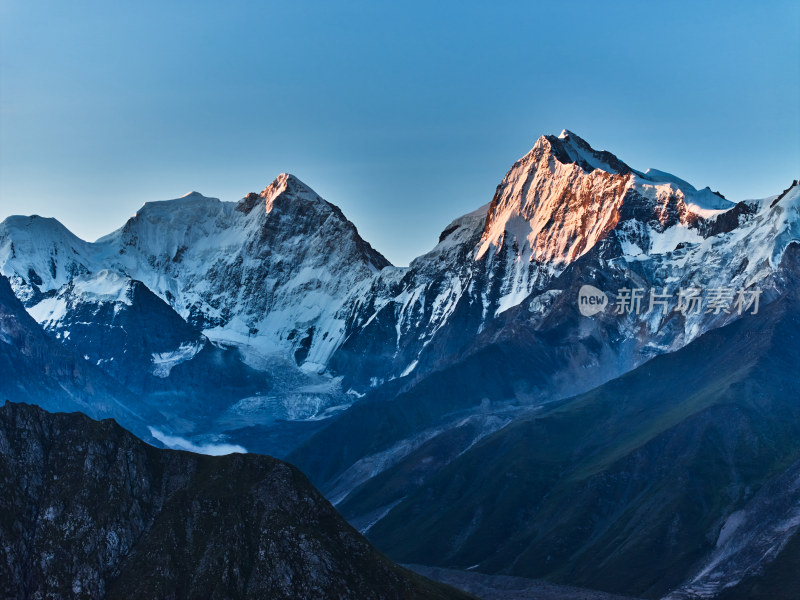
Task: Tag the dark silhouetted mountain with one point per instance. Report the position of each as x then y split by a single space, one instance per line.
89 511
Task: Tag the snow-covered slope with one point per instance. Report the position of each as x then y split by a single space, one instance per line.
39 254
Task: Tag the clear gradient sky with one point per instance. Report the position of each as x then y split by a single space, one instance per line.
404 114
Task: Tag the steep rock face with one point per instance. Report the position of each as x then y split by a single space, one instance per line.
89 511
552 211
405 310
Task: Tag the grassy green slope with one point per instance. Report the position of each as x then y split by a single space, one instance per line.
623 488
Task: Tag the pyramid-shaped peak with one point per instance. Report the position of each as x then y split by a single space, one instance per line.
288 183
285 187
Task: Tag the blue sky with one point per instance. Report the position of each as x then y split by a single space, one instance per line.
406 115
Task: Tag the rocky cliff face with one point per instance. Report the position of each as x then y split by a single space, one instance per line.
89 511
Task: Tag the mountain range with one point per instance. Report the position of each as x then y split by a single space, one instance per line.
461 412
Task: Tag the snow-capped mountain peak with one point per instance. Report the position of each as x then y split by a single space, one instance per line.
155 215
556 202
285 188
563 197
288 186
284 271
42 252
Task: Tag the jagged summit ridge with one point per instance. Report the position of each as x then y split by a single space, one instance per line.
285 186
571 148
551 207
286 183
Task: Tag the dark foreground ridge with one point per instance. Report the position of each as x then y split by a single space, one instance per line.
89 511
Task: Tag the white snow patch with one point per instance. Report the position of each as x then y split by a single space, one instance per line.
664 177
178 443
49 311
105 286
409 368
729 528
664 242
163 362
